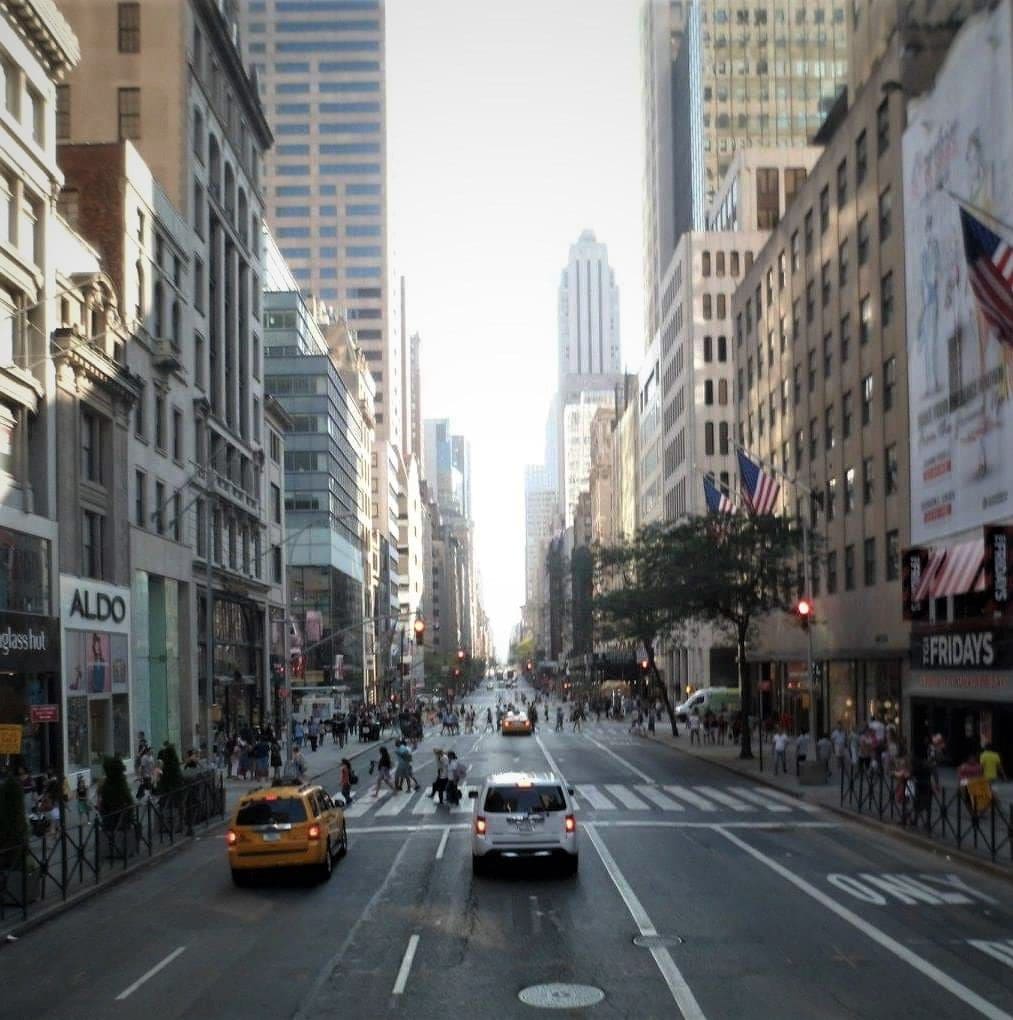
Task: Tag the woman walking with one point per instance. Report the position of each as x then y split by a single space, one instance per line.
383 772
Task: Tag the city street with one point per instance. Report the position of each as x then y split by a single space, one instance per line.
762 906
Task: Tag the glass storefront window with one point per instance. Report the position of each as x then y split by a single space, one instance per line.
77 734
24 573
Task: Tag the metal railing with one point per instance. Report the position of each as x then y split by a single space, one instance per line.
52 867
925 807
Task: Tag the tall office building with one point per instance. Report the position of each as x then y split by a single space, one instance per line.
718 77
320 68
588 319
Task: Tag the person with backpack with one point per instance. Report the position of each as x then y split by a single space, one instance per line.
458 770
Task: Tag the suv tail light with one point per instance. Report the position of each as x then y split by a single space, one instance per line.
314 831
480 826
231 837
570 823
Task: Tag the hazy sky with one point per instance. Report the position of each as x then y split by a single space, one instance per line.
513 125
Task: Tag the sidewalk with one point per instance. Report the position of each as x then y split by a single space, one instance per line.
829 796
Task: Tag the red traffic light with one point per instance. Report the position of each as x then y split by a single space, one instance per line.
644 664
804 608
460 654
419 626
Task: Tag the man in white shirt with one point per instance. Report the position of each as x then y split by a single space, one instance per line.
780 749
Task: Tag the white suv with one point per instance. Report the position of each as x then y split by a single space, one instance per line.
523 815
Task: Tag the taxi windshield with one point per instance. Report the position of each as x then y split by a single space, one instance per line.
268 812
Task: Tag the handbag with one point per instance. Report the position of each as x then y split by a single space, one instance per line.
352 778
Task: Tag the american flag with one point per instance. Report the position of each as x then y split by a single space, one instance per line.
759 489
717 501
990 271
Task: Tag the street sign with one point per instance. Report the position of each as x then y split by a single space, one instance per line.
10 738
44 713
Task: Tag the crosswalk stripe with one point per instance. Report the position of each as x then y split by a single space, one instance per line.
626 797
784 798
465 804
757 798
394 805
691 798
363 803
595 798
424 805
723 798
652 793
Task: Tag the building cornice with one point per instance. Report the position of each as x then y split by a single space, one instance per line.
46 31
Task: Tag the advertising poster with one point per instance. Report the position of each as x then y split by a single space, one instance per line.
960 377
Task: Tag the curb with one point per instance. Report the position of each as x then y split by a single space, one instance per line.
884 828
83 895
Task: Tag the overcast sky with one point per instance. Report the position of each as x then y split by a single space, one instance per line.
513 126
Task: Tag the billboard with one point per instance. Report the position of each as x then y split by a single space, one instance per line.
958 145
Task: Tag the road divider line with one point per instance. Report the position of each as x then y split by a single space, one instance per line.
622 761
441 849
373 830
966 995
677 985
548 757
406 966
127 992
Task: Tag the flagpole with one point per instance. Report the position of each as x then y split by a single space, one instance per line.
977 209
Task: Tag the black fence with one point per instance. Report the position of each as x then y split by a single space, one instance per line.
925 807
87 850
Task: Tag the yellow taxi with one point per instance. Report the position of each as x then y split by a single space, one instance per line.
286 826
516 723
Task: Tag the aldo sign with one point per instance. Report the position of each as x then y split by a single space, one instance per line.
94 605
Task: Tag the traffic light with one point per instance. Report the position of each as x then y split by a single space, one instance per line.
804 611
460 654
419 627
457 672
644 663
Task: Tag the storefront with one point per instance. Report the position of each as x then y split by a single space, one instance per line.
237 694
95 621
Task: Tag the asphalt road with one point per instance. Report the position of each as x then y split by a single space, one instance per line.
761 907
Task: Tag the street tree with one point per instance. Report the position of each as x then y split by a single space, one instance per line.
629 603
728 571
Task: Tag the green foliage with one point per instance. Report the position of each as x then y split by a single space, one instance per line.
172 773
114 794
13 823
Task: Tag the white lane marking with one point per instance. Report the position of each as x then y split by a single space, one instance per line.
394 805
595 798
691 798
361 804
998 949
677 985
626 797
756 797
652 793
723 798
933 973
441 849
148 975
622 761
406 966
548 757
424 805
306 1010
379 830
786 798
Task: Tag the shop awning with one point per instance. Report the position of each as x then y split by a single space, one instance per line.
954 570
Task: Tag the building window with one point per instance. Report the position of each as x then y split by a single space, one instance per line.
177 516
768 199
810 301
708 438
794 176
832 572
892 471
160 507
885 215
91 447
867 391
868 480
795 254
177 434
889 382
825 209
198 360
861 159
129 113
796 380
719 263
723 438
869 564
275 447
275 504
814 439
825 284
708 392
842 183
845 338
831 498
811 370
809 232
129 23
159 421
140 499
799 448
847 414
883 127
92 535
842 263
863 240
705 263
828 428
849 490
886 299
892 555
865 320
276 564
139 422
849 568
62 112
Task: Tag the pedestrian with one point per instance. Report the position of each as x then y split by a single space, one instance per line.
458 770
839 740
780 750
801 751
824 752
346 781
83 801
314 732
694 727
442 774
383 767
402 767
299 765
991 764
276 761
298 733
559 718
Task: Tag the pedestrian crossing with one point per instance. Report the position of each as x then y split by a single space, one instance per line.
667 798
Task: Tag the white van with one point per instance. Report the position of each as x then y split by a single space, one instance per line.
713 698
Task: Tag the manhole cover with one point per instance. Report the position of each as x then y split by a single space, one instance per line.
557 996
653 941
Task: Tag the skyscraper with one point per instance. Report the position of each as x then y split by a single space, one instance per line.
718 77
320 68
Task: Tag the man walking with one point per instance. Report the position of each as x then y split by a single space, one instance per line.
780 750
